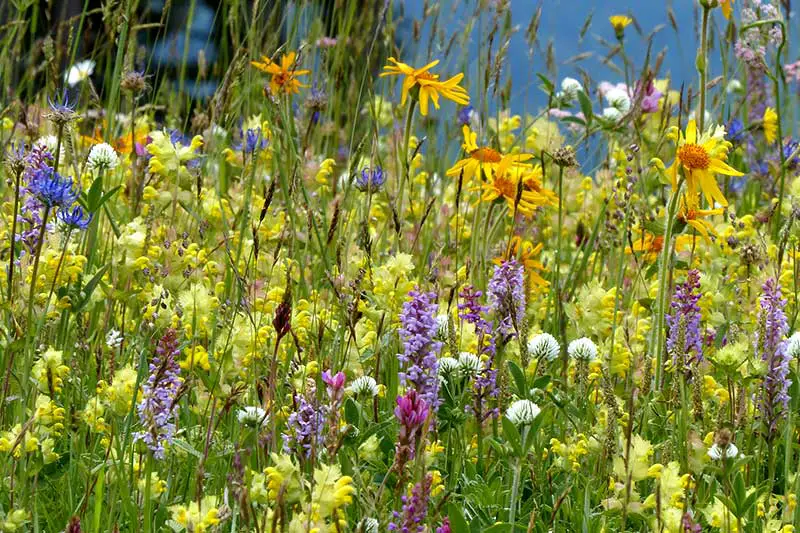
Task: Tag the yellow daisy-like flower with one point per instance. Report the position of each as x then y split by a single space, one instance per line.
504 184
695 218
770 120
284 75
526 252
701 158
425 85
482 161
727 8
619 23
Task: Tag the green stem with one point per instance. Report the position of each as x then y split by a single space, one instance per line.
148 502
406 164
702 67
663 271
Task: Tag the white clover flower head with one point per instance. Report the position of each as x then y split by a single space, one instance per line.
469 364
113 338
442 325
364 385
582 349
102 157
544 346
50 142
734 86
612 113
523 412
252 416
570 87
447 366
369 525
716 452
793 346
79 72
618 98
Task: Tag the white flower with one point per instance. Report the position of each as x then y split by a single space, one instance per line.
544 346
716 452
582 349
79 72
368 525
619 98
443 325
523 412
469 364
364 385
793 346
102 157
113 339
447 365
570 87
734 86
252 416
612 113
50 142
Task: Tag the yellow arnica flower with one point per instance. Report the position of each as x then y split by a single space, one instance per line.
426 85
619 23
504 185
525 251
727 8
770 124
701 158
481 160
695 218
284 75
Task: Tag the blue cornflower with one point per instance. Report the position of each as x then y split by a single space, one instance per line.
316 102
465 115
735 133
792 158
252 140
15 157
51 188
63 110
75 218
370 179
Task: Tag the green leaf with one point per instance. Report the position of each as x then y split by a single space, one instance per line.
185 446
586 106
512 436
457 522
519 379
351 414
89 288
574 120
547 85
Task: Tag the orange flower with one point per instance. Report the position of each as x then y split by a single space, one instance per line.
526 252
426 85
284 76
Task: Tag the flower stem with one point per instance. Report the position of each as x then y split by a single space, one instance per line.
663 271
13 239
702 67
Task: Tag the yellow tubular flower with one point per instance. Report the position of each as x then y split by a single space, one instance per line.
701 158
770 124
426 84
284 75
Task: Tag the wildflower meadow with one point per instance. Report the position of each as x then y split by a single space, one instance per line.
366 266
